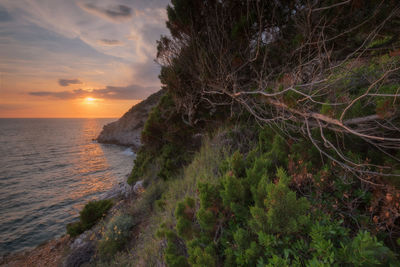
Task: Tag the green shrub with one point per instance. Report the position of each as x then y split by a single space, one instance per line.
170 159
281 212
250 215
174 253
185 213
201 255
116 235
141 163
210 206
165 126
75 229
365 250
151 195
94 211
89 216
234 195
166 140
238 164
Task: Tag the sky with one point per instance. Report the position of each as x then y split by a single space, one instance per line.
78 58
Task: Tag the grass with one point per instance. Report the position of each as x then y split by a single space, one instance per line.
158 202
156 206
204 168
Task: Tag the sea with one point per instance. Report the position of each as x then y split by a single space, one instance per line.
49 169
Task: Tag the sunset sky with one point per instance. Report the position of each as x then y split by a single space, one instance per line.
78 58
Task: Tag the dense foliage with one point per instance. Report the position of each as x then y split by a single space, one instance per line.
166 140
253 214
327 69
319 187
276 142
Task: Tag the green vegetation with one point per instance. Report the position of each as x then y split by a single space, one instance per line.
89 216
166 140
266 60
270 203
275 144
252 216
75 229
116 235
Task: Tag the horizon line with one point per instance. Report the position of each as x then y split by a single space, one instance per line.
59 117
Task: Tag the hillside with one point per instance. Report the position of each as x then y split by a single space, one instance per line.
127 130
276 142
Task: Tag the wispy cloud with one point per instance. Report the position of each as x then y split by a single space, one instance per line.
110 42
131 92
4 15
115 13
61 95
94 20
99 42
67 82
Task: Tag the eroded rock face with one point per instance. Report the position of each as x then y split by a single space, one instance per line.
127 130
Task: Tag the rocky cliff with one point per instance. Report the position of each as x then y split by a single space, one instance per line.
127 130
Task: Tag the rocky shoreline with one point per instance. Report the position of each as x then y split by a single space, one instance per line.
50 253
67 251
127 130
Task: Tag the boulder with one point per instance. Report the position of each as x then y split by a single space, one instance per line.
138 187
122 189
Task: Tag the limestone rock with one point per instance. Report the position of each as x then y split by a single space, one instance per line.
122 189
127 130
138 187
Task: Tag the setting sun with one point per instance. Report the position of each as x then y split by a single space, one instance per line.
90 100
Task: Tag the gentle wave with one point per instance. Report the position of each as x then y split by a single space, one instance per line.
128 152
49 168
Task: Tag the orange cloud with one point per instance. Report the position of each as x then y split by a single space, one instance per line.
110 92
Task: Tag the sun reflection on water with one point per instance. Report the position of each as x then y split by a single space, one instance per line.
50 169
91 164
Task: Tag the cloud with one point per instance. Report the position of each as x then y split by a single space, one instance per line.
61 95
146 73
94 20
151 33
44 40
67 82
4 15
110 42
116 13
130 92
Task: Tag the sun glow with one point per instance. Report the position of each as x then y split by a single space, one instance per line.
89 100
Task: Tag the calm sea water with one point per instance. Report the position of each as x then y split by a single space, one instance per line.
49 168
